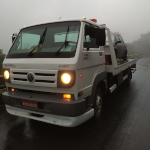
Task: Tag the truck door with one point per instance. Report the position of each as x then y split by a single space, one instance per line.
93 58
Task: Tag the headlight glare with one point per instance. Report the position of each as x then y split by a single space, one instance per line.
65 78
6 74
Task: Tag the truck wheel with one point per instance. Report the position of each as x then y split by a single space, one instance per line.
97 104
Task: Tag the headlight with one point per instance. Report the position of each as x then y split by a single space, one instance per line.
6 74
65 78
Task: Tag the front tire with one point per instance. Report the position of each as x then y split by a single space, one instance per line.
98 104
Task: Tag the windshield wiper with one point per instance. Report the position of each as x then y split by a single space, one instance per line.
40 42
65 43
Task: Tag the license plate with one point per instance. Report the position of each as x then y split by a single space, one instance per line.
29 104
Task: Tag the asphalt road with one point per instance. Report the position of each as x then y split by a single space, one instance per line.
125 123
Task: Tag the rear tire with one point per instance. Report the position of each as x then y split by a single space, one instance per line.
98 101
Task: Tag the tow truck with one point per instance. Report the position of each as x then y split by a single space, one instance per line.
58 72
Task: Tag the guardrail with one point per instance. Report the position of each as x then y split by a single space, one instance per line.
132 56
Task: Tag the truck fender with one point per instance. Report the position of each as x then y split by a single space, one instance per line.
98 79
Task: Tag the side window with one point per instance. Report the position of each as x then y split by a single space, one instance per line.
121 39
90 37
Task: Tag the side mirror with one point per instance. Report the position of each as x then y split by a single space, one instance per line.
117 42
101 37
97 33
14 36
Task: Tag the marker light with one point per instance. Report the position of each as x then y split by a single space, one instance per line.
94 20
6 74
80 93
12 89
66 96
65 78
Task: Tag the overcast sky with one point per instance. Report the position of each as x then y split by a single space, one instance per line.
131 18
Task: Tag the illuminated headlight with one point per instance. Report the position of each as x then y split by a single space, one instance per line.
65 78
6 74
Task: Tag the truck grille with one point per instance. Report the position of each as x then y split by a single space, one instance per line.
46 78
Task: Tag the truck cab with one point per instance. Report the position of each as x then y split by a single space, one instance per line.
53 71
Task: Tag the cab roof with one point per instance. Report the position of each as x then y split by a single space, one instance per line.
55 21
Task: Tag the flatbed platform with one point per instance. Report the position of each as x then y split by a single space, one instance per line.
115 70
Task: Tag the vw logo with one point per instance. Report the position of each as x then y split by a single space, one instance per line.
30 77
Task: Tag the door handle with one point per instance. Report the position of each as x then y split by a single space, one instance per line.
100 53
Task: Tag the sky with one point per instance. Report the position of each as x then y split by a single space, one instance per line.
131 18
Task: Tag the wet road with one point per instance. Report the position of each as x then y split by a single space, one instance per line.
125 123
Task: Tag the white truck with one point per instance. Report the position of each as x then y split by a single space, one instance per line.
56 72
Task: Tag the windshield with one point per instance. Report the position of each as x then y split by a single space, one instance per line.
28 39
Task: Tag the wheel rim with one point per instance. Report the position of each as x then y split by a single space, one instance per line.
98 105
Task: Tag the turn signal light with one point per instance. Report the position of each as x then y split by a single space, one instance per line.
66 96
12 89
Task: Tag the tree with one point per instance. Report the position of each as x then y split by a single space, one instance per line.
140 46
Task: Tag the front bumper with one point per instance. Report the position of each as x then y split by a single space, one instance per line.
48 104
53 119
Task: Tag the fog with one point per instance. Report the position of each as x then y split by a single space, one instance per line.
140 46
130 18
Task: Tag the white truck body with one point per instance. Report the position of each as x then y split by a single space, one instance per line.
89 67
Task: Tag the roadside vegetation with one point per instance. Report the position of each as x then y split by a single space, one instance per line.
140 46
